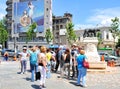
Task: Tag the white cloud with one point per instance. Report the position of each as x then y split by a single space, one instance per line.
2 15
100 17
104 16
83 26
2 10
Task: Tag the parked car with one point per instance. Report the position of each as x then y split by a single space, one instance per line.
108 56
10 52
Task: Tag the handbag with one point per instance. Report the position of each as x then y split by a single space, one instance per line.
37 76
86 64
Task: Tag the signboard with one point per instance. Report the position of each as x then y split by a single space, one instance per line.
27 12
62 32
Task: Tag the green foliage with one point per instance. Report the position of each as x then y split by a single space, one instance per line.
3 32
48 36
71 36
118 43
31 33
115 28
99 38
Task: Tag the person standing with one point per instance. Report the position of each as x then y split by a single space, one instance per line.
82 71
33 62
57 60
23 60
61 60
6 55
74 54
42 66
67 59
49 56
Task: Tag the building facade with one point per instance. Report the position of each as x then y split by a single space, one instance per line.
106 36
59 24
17 35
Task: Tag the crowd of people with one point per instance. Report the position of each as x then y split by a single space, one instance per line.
61 60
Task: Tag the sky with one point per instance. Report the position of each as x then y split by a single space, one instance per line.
86 13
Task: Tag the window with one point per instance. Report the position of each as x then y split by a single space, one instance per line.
107 36
57 27
47 1
61 26
47 9
78 38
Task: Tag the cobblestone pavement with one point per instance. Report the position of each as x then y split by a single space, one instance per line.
11 79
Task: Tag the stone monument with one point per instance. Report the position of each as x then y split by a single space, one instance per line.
93 58
91 53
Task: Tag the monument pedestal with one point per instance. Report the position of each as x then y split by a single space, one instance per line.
98 65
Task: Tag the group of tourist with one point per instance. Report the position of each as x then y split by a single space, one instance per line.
44 61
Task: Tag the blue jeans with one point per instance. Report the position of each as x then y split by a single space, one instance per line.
34 68
53 64
23 65
6 58
82 76
48 74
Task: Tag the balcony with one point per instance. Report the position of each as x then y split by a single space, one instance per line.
9 2
9 21
8 8
9 15
9 27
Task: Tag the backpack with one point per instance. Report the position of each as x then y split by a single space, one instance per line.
33 58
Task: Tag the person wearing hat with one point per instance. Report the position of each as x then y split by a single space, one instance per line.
23 60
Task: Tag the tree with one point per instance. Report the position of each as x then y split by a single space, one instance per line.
48 36
115 28
118 43
99 39
31 31
70 33
3 32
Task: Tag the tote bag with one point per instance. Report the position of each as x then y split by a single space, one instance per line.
86 64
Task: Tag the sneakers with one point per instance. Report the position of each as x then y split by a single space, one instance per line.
40 86
25 72
43 86
21 73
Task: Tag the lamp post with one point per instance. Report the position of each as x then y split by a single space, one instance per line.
15 29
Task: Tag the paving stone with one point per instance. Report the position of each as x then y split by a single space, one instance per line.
11 79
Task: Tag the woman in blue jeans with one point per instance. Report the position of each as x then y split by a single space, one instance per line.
81 69
33 62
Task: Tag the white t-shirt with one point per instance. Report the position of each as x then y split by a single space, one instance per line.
24 56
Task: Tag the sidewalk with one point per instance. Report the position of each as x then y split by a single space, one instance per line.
11 79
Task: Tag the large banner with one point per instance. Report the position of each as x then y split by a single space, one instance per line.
25 13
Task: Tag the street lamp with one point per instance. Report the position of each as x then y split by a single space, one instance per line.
14 35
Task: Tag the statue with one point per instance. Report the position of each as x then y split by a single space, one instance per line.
90 33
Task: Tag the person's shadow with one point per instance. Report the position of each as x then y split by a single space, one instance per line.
35 86
28 79
74 83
